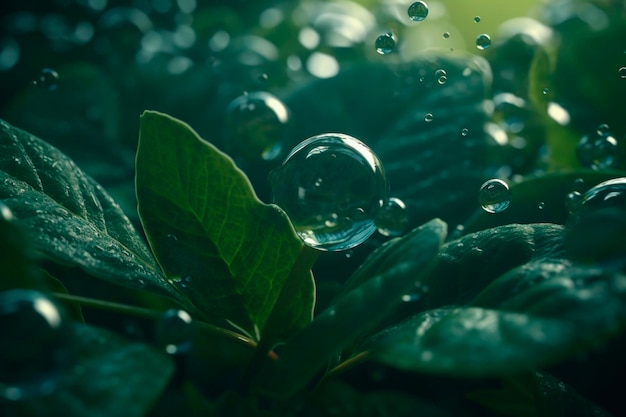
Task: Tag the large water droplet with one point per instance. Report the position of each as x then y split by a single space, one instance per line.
483 41
332 187
174 331
34 345
47 79
392 220
494 196
598 150
256 126
385 43
418 11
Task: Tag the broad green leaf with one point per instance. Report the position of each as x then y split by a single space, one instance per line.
538 322
227 251
110 377
69 217
348 317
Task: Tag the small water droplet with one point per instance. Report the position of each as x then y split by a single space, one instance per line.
597 151
47 79
442 80
622 73
34 344
174 331
352 185
263 78
494 196
418 11
572 201
256 126
392 220
385 43
545 91
541 205
446 35
476 19
603 129
483 41
428 118
464 131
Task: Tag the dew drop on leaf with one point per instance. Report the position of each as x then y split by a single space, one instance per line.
385 43
34 344
483 41
255 126
494 196
418 11
332 187
47 79
392 220
174 331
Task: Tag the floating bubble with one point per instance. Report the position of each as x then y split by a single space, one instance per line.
572 201
541 205
476 19
47 79
418 11
494 196
483 41
385 43
34 344
622 73
597 151
428 118
603 129
464 131
256 126
440 72
174 331
392 220
442 80
545 91
446 35
332 186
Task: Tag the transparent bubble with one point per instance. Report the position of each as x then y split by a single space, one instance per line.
174 331
464 131
47 79
442 80
446 35
256 126
418 11
440 72
385 43
483 41
597 151
494 196
545 91
572 201
622 73
429 117
603 129
34 344
541 205
332 186
392 220
476 19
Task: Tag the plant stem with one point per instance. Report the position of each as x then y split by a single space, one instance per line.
342 367
151 314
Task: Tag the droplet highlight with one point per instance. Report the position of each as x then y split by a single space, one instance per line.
494 196
418 11
332 187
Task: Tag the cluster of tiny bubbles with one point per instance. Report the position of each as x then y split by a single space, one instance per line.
332 186
622 73
34 346
441 76
598 150
494 196
392 220
174 331
429 117
255 126
385 43
483 41
47 79
476 19
418 11
446 35
572 201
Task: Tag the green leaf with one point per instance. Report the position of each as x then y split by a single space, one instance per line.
541 318
69 217
110 377
348 317
227 251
